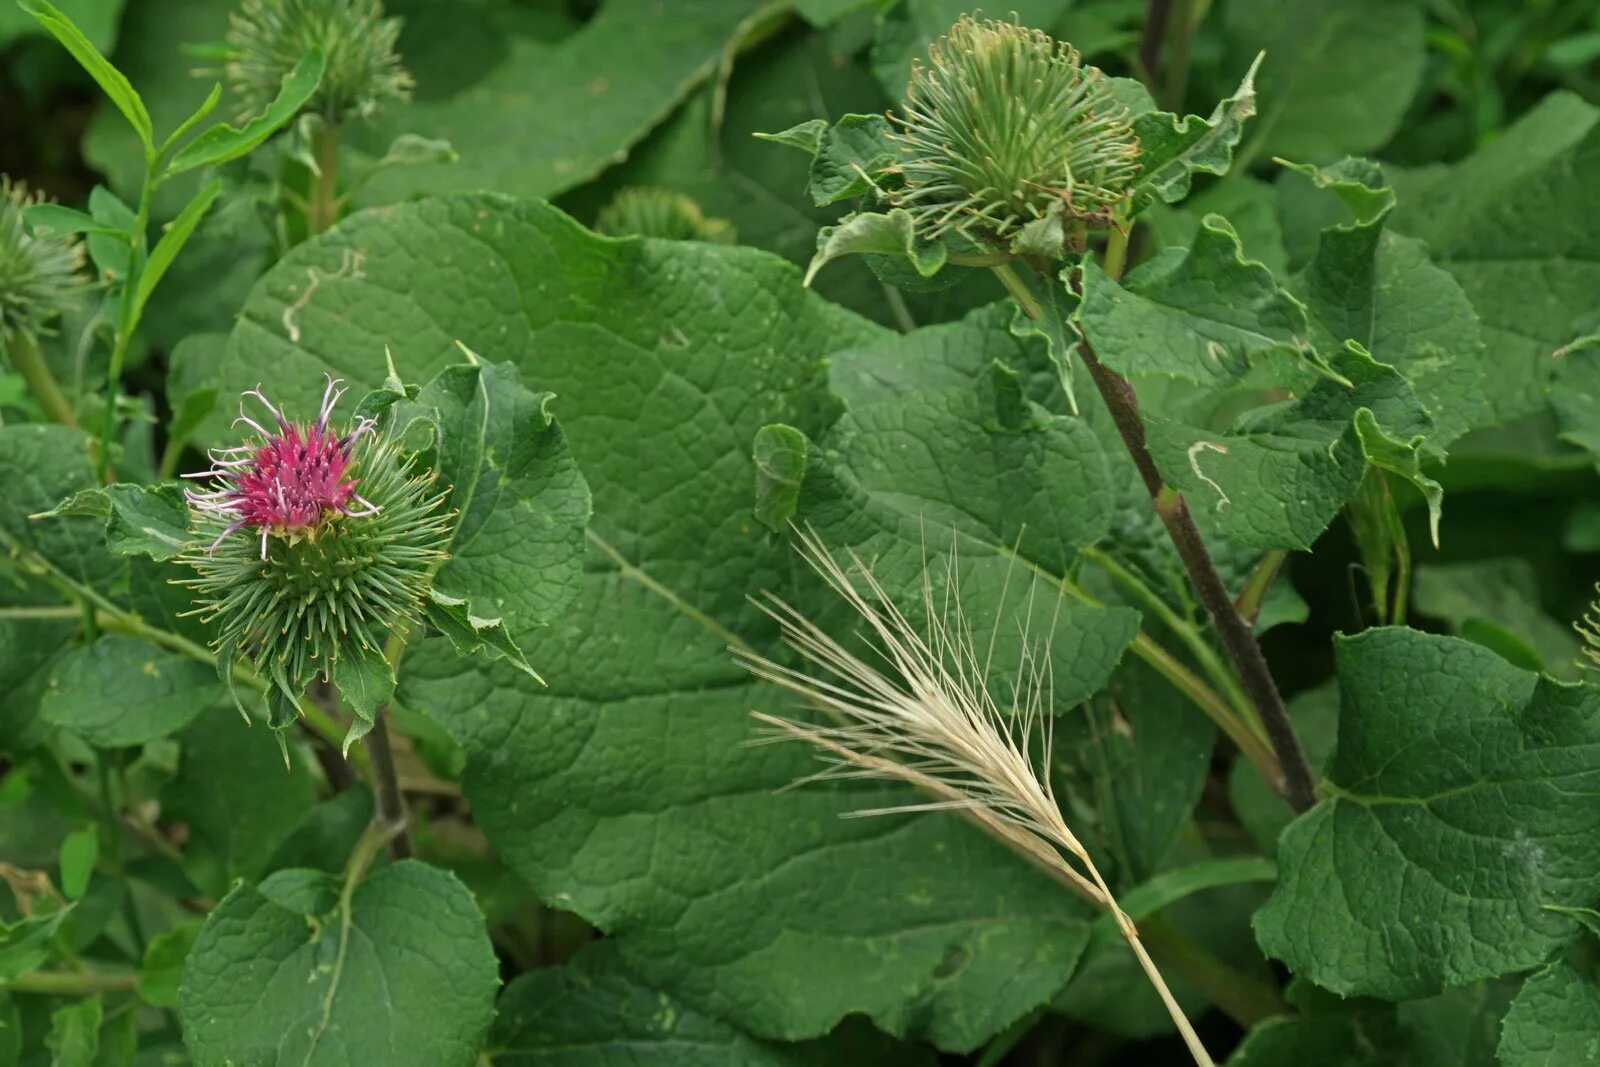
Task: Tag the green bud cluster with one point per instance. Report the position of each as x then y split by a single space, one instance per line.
267 38
40 277
650 212
1004 128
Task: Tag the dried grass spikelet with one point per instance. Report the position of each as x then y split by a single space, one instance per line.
930 720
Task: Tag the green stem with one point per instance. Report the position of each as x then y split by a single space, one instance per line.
1148 600
1018 290
1243 999
29 361
54 613
1184 22
1116 258
1255 590
324 207
75 984
120 620
386 785
113 835
127 319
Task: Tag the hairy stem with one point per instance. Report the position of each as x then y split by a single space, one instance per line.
386 786
29 361
324 206
1236 636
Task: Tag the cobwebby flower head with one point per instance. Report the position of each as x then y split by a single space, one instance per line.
40 276
1004 127
316 541
267 38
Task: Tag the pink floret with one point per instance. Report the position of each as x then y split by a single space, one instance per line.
291 481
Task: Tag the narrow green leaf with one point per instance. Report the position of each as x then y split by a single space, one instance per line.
222 142
780 457
25 944
517 548
806 136
161 973
366 681
206 107
99 68
1169 887
74 1037
1173 150
166 250
54 220
78 852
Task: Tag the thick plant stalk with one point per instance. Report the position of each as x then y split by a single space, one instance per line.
929 720
1237 638
386 786
29 361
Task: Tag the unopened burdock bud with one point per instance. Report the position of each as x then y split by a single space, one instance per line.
1003 128
267 38
40 276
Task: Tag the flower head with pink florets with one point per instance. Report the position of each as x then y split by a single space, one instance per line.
319 541
291 479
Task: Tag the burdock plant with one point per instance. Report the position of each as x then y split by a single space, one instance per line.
1007 154
40 277
1005 137
268 38
315 546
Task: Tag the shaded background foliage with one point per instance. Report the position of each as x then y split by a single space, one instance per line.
646 894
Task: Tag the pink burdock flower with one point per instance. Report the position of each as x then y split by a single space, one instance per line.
351 534
290 480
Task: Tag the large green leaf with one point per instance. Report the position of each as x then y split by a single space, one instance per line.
1462 801
124 691
1279 477
40 466
552 116
302 970
1338 74
236 819
1379 289
516 552
1516 225
594 1012
667 359
1554 1021
1204 315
